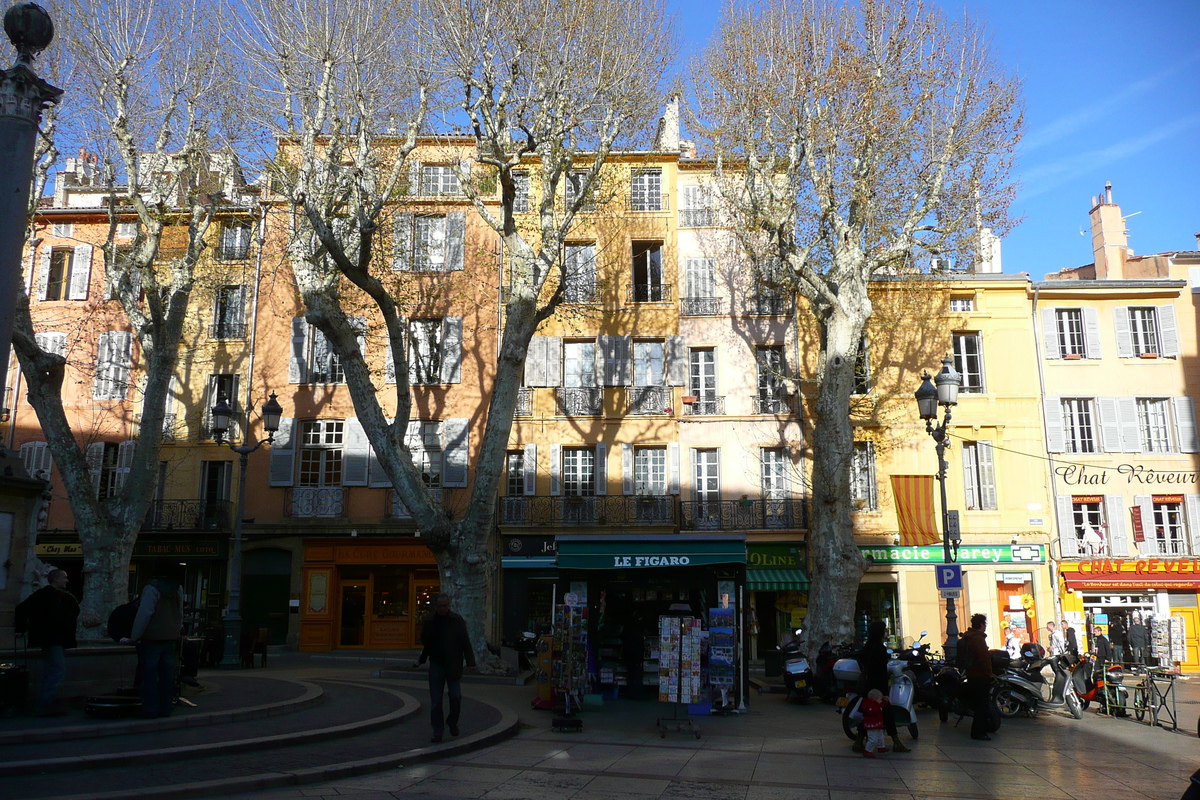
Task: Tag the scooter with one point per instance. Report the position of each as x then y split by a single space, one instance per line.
901 694
953 699
1091 684
920 670
826 684
797 674
1022 688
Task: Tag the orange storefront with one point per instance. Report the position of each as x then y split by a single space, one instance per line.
368 594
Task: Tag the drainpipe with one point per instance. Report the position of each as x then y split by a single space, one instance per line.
1053 511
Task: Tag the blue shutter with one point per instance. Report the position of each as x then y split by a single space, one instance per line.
283 454
454 471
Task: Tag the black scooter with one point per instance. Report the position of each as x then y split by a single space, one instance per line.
920 668
953 699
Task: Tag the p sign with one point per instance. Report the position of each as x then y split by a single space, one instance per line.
949 576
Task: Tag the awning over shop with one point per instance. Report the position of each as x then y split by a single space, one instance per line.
776 580
1130 581
528 562
646 552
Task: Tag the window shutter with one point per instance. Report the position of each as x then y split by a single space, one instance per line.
987 475
677 361
389 364
555 469
95 462
359 326
530 470
1110 425
81 272
601 469
627 468
1121 326
210 400
673 480
1067 540
122 363
1055 435
52 342
402 232
1091 332
414 178
451 368
237 307
616 351
1114 508
125 454
44 273
283 454
1050 333
298 366
553 354
1131 435
970 485
1168 331
356 454
35 456
102 387
535 362
376 475
1191 507
1185 424
413 441
456 233
458 444
1146 503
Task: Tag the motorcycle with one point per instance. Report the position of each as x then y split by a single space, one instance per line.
1022 688
901 695
953 696
1091 684
920 669
826 684
797 673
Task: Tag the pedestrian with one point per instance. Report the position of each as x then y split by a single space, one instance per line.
979 675
1117 637
874 705
1057 644
873 661
1071 639
156 632
445 644
1102 648
1139 640
48 616
1013 643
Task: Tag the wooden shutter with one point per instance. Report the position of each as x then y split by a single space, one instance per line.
601 469
456 232
457 452
44 273
283 454
1091 332
987 475
971 489
677 361
1146 503
356 454
451 371
102 388
1067 540
414 178
298 366
125 454
1114 508
627 468
1056 439
81 272
616 351
1131 435
1168 331
556 469
1191 507
1050 333
553 355
1121 326
402 233
1110 425
673 468
1185 424
530 469
122 351
35 456
535 362
376 475
54 342
95 463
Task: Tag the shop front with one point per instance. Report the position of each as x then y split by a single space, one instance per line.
778 589
529 575
629 583
365 594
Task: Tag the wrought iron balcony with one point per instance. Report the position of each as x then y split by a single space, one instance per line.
582 401
524 402
705 407
317 502
612 510
396 509
769 305
580 291
700 306
649 399
187 515
169 423
649 293
742 515
227 330
772 404
696 218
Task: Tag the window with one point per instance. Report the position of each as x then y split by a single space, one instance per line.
324 364
425 351
1088 520
321 453
572 186
221 386
35 457
514 466
228 313
646 190
648 284
1143 331
580 275
105 475
706 480
774 473
979 476
1168 530
579 364
863 492
1078 425
699 287
126 230
1069 326
521 198
429 244
235 242
63 230
862 369
1153 427
59 279
968 360
579 471
648 363
962 304
650 470
702 380
695 206
438 180
771 398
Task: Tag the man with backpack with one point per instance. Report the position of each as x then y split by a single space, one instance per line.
48 616
976 662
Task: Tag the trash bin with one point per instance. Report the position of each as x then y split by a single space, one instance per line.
774 663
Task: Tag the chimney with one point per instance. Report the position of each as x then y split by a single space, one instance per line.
1197 235
1109 244
668 126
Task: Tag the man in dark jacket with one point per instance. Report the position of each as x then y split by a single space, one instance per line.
1139 640
445 644
873 661
1102 648
1072 639
1117 638
156 632
979 675
48 616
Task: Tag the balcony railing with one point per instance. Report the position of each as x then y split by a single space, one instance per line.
169 423
1074 547
769 305
648 201
696 217
583 401
317 502
700 306
605 510
705 407
649 293
524 402
227 330
771 404
648 399
396 509
1154 546
740 515
580 292
187 515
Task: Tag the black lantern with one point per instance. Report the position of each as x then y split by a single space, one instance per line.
222 414
271 414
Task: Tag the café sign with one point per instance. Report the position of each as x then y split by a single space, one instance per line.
934 554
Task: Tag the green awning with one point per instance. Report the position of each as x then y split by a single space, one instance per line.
648 551
776 580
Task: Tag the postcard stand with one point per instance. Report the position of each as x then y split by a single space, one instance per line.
679 674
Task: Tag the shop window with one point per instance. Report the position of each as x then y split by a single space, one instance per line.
390 594
864 494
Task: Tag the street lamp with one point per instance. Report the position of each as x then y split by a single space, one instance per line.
222 415
928 399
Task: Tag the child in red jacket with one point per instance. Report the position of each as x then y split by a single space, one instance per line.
872 711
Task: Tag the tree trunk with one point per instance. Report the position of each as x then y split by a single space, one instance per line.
105 577
466 570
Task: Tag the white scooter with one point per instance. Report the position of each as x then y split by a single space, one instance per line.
901 696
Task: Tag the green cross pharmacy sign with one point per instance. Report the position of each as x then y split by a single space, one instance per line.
973 554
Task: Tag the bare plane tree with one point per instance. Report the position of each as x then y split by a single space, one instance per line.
853 140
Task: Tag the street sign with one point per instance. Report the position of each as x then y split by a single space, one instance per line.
949 576
954 593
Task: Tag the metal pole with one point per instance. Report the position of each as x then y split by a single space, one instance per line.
232 657
951 646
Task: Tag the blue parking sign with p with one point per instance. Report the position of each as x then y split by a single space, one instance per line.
949 576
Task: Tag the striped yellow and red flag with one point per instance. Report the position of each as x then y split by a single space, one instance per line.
914 508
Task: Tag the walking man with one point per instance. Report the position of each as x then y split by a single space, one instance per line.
979 675
48 616
1071 639
445 644
156 632
1058 645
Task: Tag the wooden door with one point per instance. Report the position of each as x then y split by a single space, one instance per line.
354 611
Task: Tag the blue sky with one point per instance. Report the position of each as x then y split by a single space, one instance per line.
1112 93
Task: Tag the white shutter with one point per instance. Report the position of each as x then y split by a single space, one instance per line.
402 232
556 469
1050 333
102 388
54 342
987 475
458 443
1067 540
81 272
1145 502
1131 435
1191 505
1091 331
1121 326
554 358
1168 331
122 363
414 178
1055 435
617 367
359 326
413 441
44 273
1185 424
376 475
356 454
298 366
530 470
601 469
535 362
125 454
35 456
970 484
283 454
673 480
456 231
389 364
677 361
95 462
1114 508
627 468
1110 425
451 371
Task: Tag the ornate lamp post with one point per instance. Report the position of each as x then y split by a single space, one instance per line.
928 399
222 415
